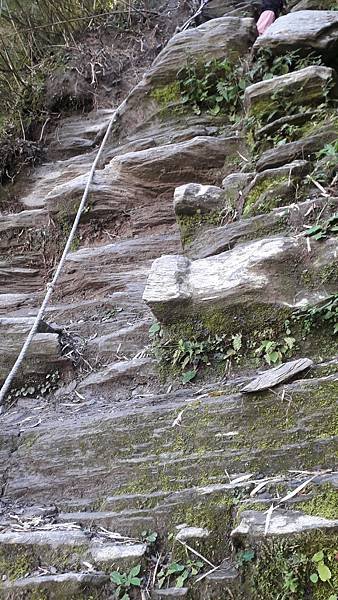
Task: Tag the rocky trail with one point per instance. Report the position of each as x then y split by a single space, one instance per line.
217 231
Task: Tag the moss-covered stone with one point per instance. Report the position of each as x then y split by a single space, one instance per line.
191 225
323 504
167 94
267 194
17 561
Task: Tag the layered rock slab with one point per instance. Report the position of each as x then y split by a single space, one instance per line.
306 86
260 271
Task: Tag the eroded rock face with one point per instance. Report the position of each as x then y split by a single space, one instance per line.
306 86
219 239
253 272
313 30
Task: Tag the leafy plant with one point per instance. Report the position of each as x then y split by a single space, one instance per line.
266 65
325 312
149 537
325 169
179 572
246 556
273 351
329 151
323 230
216 88
155 330
322 571
126 582
48 386
192 354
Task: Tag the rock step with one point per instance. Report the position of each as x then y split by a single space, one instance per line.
254 272
56 586
281 523
215 240
64 549
44 354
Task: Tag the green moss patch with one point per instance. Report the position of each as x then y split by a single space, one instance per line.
266 195
167 94
323 504
191 225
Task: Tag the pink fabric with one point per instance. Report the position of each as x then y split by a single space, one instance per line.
265 20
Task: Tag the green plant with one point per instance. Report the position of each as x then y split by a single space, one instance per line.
44 388
273 351
325 312
323 230
193 353
329 151
322 571
216 88
126 582
266 65
149 537
246 556
179 572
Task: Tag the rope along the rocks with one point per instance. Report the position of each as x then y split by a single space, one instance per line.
51 285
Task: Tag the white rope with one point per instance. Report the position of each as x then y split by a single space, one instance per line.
51 285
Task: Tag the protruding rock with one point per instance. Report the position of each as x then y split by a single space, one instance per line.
306 86
44 353
250 273
105 553
301 149
282 523
234 184
310 29
119 372
278 375
169 593
193 197
191 533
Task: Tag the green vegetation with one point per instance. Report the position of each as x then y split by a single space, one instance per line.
323 504
178 573
126 582
325 171
325 312
266 195
295 570
323 230
203 347
217 87
49 385
190 224
266 65
273 352
38 41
